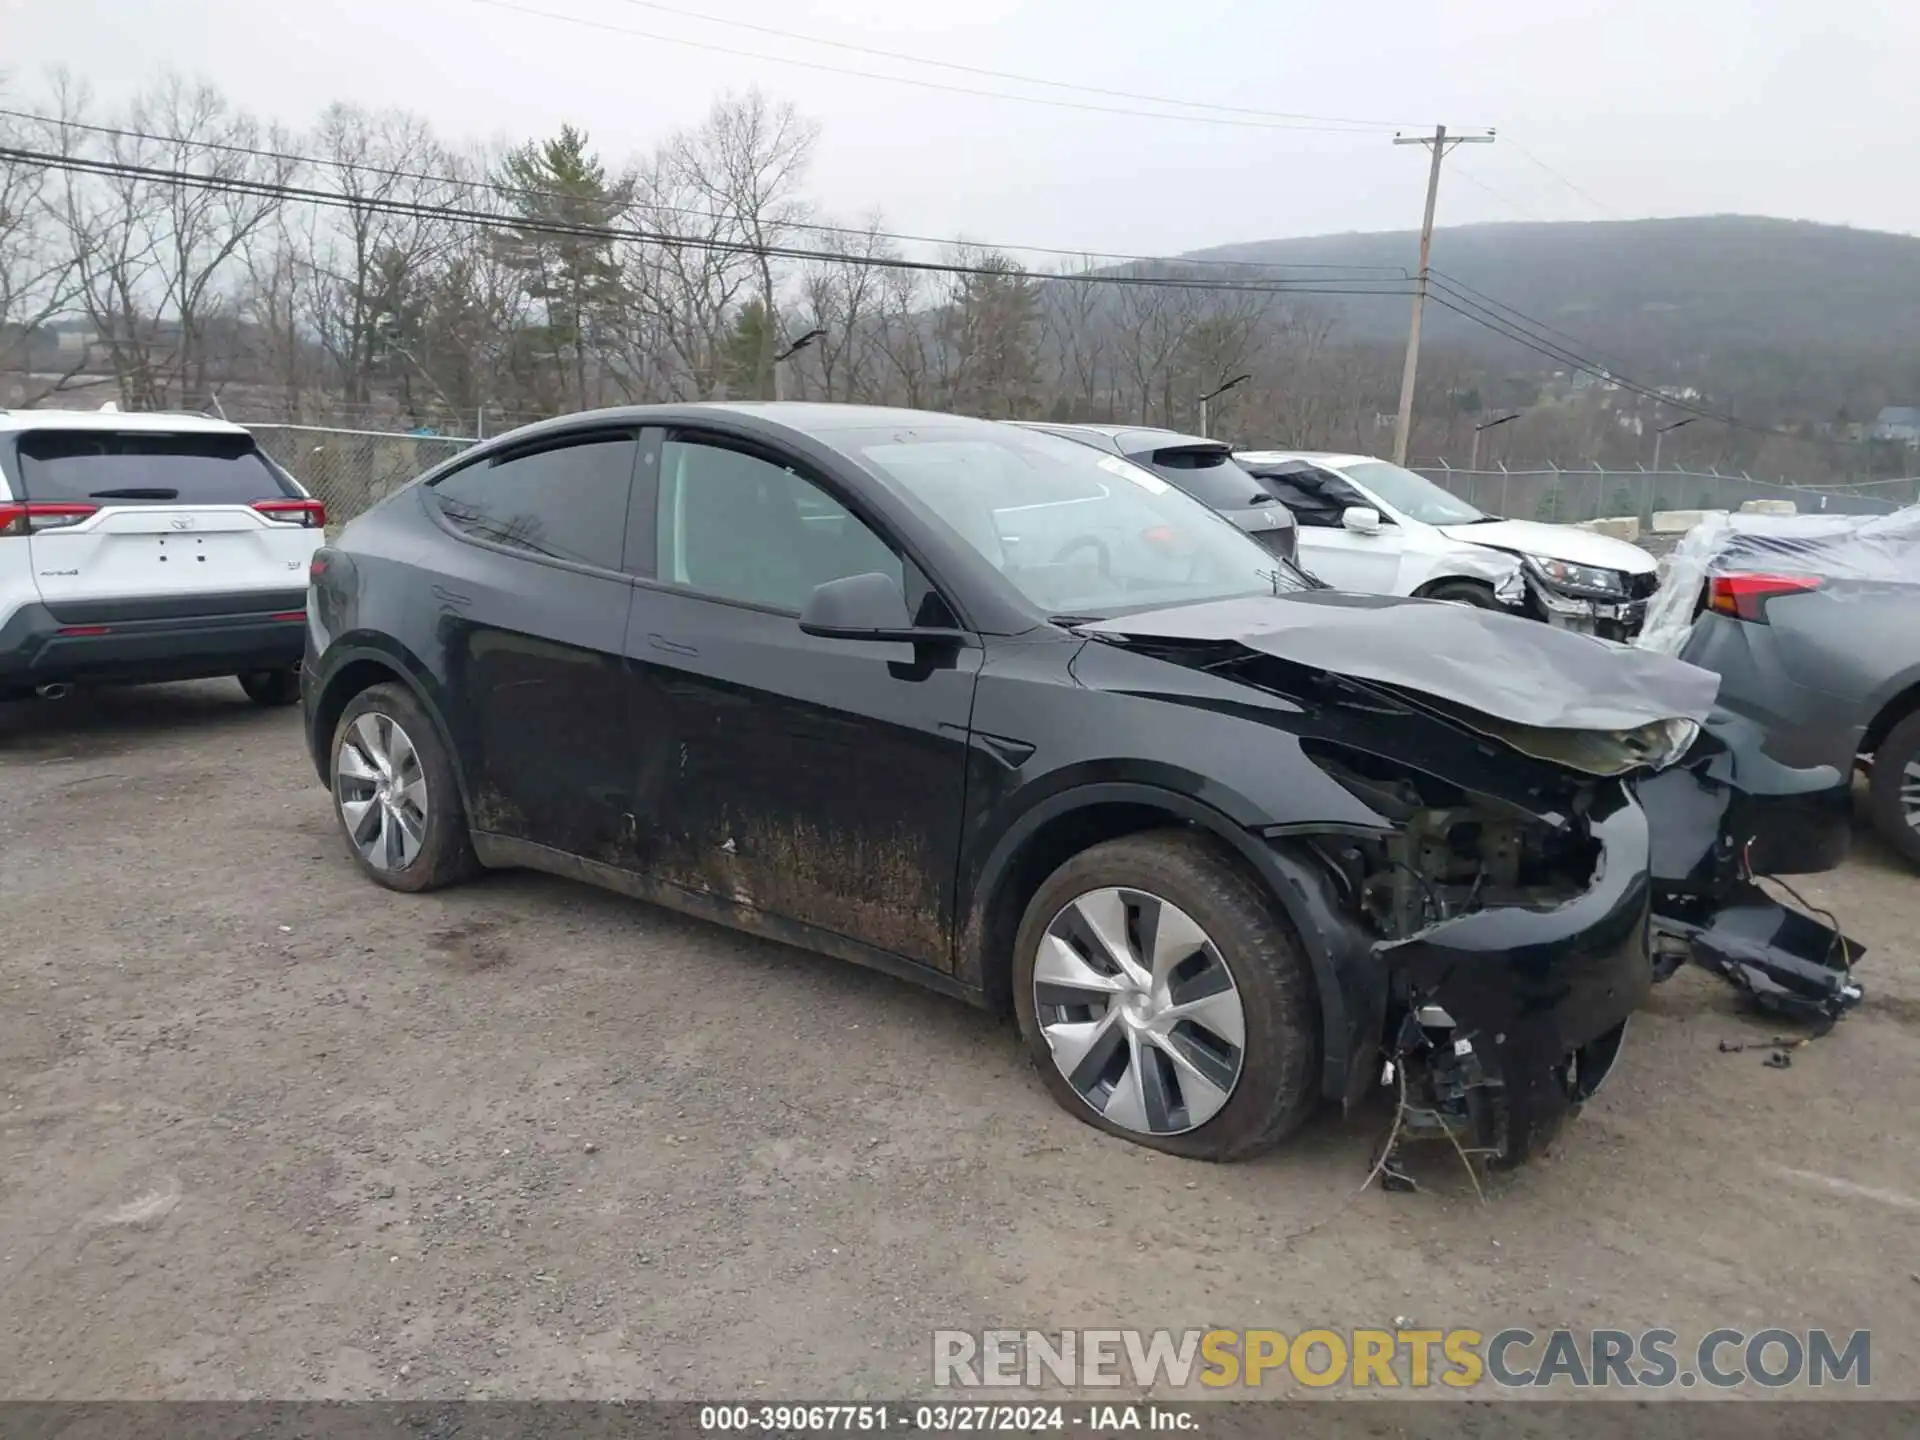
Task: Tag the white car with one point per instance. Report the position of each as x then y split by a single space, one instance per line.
1369 525
141 548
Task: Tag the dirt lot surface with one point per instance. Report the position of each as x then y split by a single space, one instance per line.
267 1130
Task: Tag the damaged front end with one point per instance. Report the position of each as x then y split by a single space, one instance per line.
1558 824
1514 943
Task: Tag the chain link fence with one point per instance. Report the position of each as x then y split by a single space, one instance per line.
352 469
1568 496
349 470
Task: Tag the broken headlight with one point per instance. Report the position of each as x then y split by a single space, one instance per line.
1591 580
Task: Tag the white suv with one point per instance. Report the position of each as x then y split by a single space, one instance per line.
149 547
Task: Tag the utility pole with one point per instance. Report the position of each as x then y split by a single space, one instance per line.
1440 143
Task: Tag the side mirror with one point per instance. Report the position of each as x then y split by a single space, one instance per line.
865 607
1361 519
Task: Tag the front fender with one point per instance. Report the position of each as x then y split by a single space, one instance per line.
1349 981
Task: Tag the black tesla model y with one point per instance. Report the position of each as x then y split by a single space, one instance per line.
1020 720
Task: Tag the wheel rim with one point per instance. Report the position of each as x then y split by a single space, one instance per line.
1140 1012
381 790
1910 793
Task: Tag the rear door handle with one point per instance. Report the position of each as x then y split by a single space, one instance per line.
672 647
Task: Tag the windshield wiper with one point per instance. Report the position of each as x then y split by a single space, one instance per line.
135 492
1067 622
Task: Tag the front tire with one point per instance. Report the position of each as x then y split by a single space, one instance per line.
1893 794
395 795
271 687
1165 998
1466 592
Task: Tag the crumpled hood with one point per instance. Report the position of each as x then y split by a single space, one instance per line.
1558 694
1556 542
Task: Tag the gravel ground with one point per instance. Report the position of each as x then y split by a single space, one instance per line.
267 1130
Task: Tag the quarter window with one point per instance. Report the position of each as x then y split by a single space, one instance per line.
566 501
738 527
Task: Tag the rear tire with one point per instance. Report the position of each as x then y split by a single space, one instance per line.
395 794
1188 879
271 687
1466 592
1893 794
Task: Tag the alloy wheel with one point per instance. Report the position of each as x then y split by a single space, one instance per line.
381 789
1139 1010
1910 793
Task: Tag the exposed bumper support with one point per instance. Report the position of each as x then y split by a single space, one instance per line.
1537 997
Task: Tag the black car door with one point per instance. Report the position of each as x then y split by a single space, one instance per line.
818 780
533 610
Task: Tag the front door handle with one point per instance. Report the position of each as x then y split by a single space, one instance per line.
672 647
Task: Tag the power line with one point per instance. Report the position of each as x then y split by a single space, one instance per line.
491 186
1528 155
1007 74
1244 123
1490 320
276 190
1455 283
1506 200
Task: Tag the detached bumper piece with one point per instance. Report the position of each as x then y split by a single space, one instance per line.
1786 962
1517 1015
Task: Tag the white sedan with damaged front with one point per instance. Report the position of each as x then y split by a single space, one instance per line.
1372 526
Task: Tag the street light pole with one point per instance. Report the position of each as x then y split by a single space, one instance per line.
1473 461
1660 434
779 375
1213 395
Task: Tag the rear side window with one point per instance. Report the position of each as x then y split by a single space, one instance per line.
100 467
566 501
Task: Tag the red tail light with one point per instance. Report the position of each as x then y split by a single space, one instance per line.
310 514
28 517
1745 597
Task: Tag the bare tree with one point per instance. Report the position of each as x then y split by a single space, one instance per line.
157 258
37 270
364 257
844 298
747 161
1076 335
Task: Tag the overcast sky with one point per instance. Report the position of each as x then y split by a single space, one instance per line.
1648 107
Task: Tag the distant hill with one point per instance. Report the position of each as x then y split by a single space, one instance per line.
1783 318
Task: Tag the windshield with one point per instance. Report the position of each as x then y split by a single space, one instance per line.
1414 496
1076 531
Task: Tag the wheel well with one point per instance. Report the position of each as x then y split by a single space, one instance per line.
1447 582
348 681
1050 846
1891 714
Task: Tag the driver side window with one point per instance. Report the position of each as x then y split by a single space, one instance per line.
738 527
